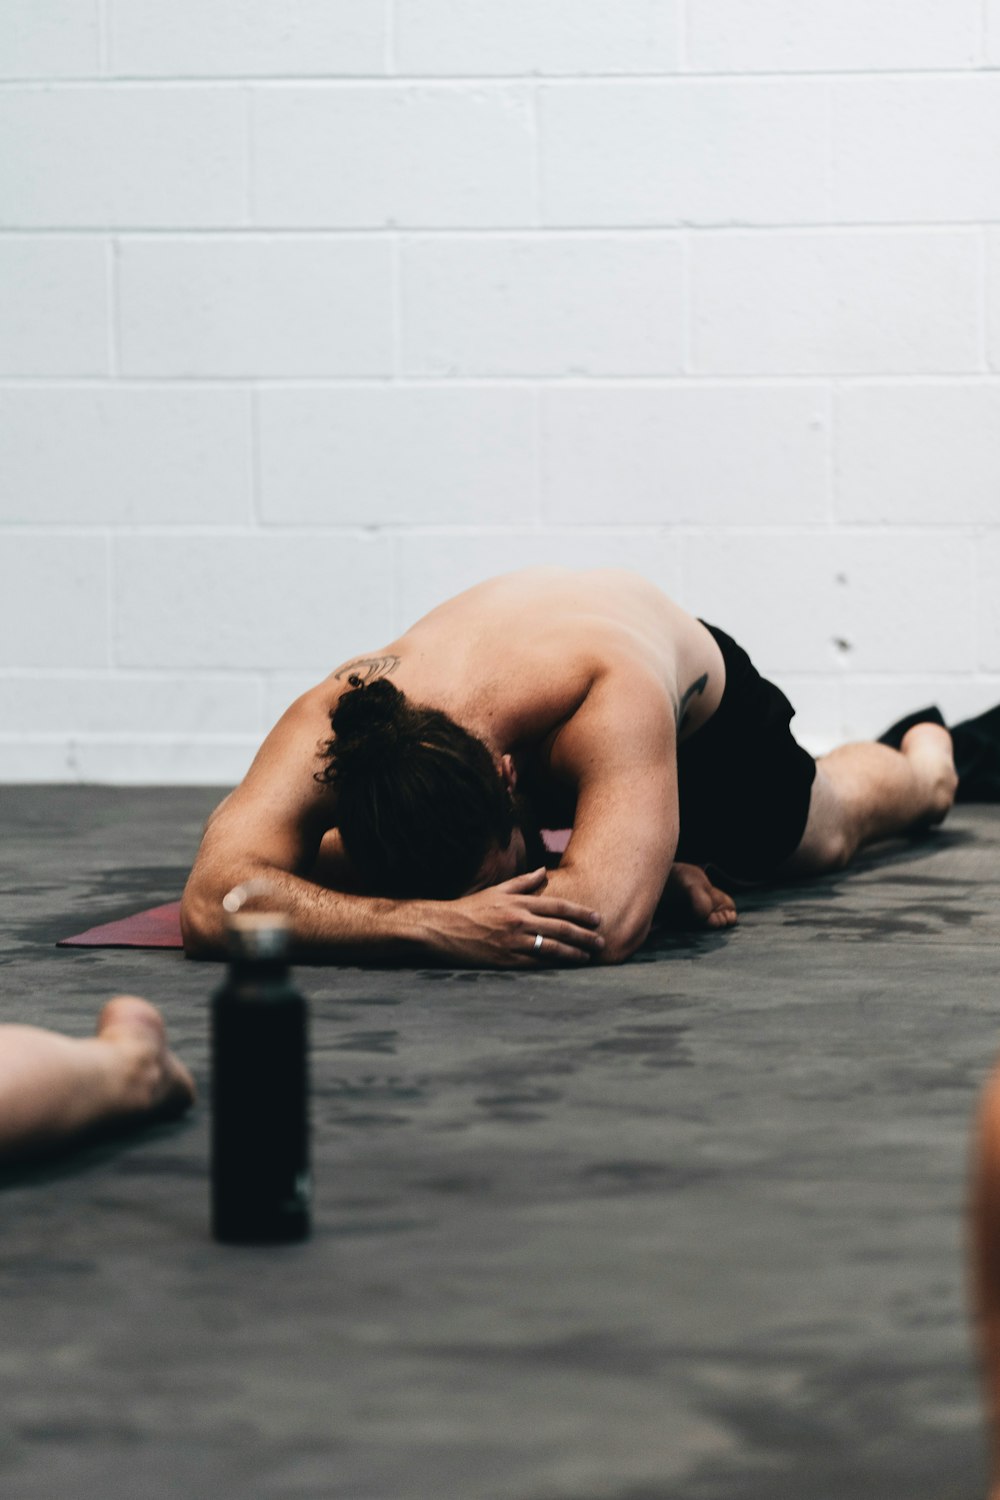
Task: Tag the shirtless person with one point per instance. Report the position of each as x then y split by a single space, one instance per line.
545 698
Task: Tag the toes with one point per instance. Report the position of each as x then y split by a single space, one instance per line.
723 916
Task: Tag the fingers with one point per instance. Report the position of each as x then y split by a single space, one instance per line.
559 953
564 923
560 942
566 911
568 931
569 934
553 951
524 885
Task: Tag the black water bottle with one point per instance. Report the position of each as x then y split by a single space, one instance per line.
260 1090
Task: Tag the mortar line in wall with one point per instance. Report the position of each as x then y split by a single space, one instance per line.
358 530
202 674
131 736
365 233
675 381
641 530
655 79
497 234
695 380
878 676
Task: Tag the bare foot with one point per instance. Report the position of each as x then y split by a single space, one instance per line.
928 747
690 899
156 1082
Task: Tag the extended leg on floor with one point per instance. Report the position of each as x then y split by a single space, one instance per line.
868 791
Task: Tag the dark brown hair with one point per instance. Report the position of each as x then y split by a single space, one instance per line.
420 802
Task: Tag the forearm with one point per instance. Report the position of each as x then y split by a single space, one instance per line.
324 922
497 927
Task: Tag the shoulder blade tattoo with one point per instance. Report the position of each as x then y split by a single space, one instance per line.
695 690
367 667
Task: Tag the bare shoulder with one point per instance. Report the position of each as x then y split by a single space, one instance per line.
627 713
280 785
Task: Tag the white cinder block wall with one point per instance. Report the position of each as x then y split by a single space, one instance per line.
314 311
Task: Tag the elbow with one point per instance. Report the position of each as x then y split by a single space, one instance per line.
201 928
623 939
616 952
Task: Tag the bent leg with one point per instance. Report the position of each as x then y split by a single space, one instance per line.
55 1087
867 792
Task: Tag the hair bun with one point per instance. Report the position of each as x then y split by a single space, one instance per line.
369 723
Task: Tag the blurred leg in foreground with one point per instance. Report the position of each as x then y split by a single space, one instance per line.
55 1088
986 1260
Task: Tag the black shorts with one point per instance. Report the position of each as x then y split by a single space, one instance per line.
743 781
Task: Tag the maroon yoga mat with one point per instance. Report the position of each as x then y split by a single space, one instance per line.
160 926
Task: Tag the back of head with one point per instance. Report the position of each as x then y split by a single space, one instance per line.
420 802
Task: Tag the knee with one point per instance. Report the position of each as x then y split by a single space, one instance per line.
942 797
823 851
836 849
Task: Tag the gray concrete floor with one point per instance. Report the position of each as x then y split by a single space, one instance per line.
691 1229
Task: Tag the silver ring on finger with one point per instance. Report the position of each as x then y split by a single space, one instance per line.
538 942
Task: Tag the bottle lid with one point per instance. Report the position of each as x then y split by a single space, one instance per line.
262 935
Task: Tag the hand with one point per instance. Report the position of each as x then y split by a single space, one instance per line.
498 927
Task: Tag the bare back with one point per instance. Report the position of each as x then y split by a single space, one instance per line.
513 658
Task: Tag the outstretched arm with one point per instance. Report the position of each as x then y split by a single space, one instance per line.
270 830
620 750
492 928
